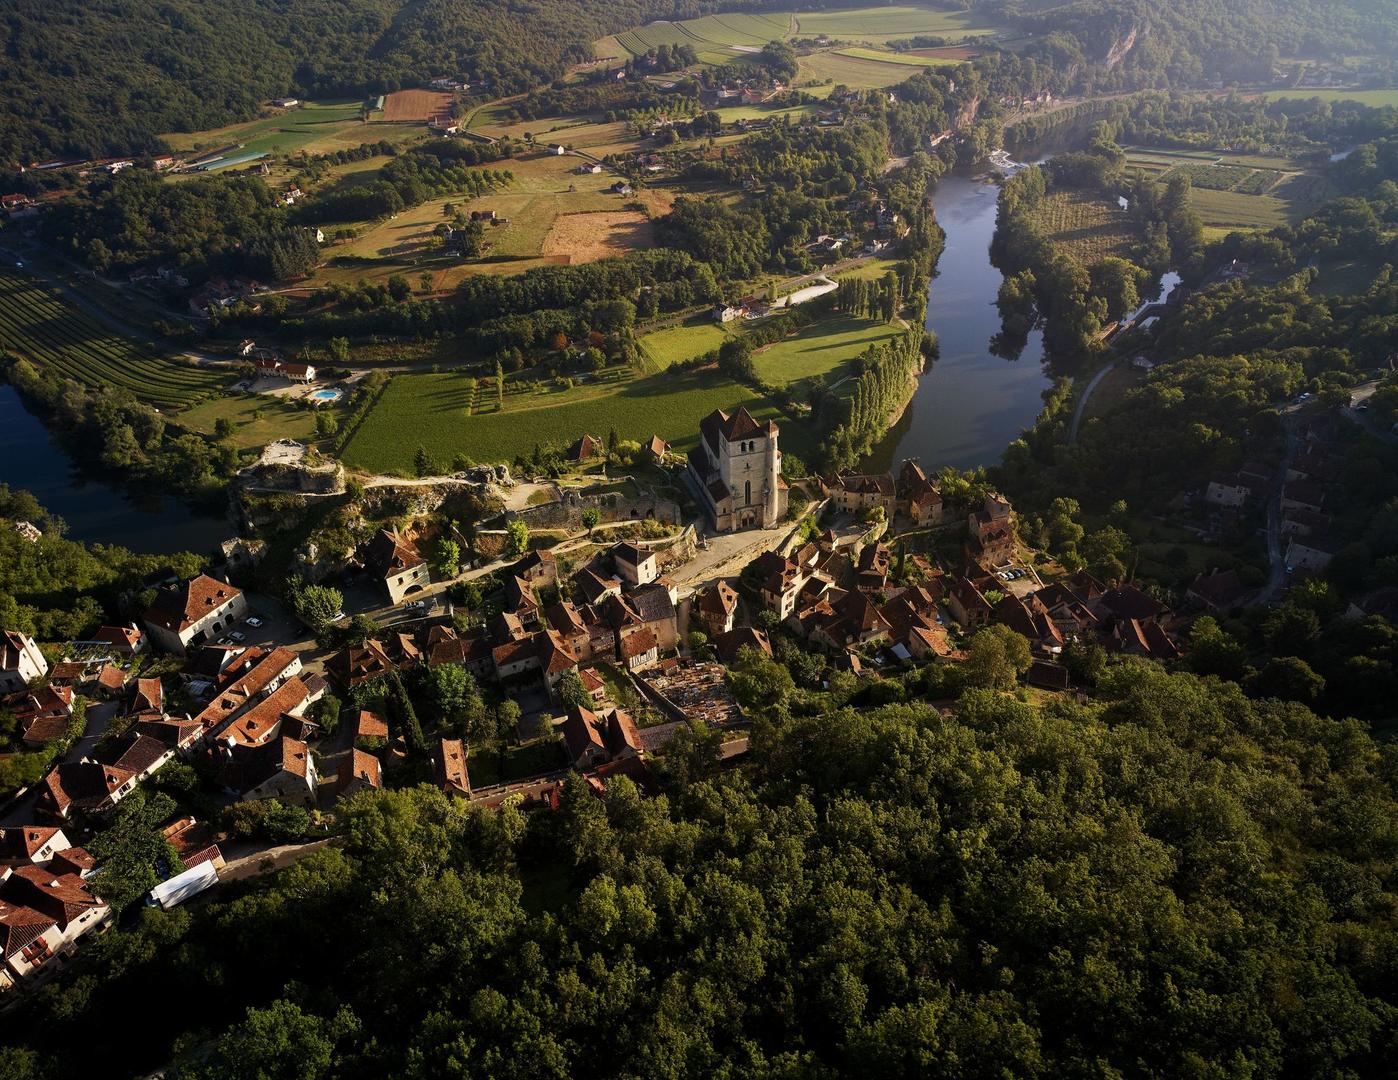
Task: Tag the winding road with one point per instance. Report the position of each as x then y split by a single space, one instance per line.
1082 403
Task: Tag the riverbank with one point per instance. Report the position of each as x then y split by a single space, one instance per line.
95 510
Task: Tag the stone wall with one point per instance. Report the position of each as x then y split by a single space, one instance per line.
567 512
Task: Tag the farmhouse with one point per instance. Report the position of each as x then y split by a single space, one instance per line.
274 368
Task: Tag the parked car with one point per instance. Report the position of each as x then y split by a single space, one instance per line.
255 623
415 605
237 637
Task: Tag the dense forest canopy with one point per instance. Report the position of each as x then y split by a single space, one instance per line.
86 79
1174 881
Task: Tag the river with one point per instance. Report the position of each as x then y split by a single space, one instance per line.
95 510
970 404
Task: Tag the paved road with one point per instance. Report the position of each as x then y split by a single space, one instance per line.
1082 402
256 862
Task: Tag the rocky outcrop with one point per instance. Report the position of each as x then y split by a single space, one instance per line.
289 467
1123 44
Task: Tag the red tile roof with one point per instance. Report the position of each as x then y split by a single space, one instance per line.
179 608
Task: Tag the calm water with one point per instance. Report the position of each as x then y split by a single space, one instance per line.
971 404
95 511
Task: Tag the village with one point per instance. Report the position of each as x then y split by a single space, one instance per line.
593 665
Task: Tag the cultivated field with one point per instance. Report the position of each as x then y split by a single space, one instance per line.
1087 225
675 344
906 59
315 127
406 106
598 234
1237 191
1375 98
882 23
853 72
823 349
38 326
431 411
716 39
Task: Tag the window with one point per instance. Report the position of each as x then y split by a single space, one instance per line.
747 491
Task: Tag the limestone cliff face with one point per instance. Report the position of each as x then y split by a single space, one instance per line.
1122 45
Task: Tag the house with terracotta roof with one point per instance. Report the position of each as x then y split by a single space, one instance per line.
990 532
730 644
736 472
22 845
21 662
254 674
593 739
370 729
449 770
715 609
566 620
194 612
43 714
918 495
127 640
139 755
587 448
85 786
397 564
592 588
967 604
281 769
193 842
147 695
656 449
109 683
43 915
359 663
538 568
358 771
639 650
263 721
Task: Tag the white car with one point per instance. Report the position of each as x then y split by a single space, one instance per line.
255 623
415 605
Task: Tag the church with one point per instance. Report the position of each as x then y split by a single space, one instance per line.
736 469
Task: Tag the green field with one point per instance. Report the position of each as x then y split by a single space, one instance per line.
822 348
431 411
318 126
905 59
1087 225
716 39
694 336
724 39
1231 210
892 21
38 326
1376 98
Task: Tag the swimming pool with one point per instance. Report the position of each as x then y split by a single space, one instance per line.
326 395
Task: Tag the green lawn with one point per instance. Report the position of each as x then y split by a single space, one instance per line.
822 348
430 411
1376 98
1229 209
260 419
696 335
906 59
